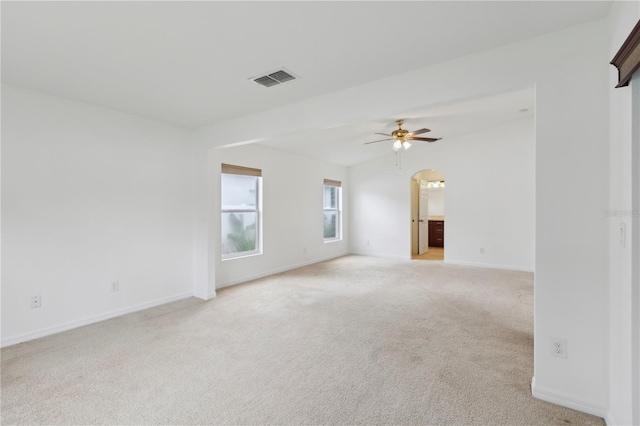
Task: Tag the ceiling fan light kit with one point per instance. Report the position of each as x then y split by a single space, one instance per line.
401 137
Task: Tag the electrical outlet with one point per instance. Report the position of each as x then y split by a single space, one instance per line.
304 249
36 301
559 347
115 285
367 242
481 250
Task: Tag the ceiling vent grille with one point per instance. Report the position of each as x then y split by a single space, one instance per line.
274 78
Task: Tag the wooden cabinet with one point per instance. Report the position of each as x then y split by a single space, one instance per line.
436 233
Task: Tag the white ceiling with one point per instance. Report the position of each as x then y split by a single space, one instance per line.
188 63
344 145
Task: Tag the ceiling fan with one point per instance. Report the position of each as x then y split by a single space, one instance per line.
402 137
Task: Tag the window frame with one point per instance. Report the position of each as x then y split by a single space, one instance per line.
242 171
338 209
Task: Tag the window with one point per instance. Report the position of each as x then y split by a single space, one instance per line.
240 196
332 213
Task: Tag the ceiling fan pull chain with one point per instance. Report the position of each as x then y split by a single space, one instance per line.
398 160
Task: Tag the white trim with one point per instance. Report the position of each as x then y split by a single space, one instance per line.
240 255
205 296
488 265
609 419
91 319
332 240
277 270
569 401
635 250
383 255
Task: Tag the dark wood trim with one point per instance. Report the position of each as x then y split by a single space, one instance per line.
240 170
627 60
330 182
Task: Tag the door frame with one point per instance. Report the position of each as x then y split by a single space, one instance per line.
423 228
415 193
635 248
414 199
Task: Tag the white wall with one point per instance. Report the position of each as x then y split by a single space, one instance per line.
89 196
489 198
622 18
635 252
292 212
569 70
436 201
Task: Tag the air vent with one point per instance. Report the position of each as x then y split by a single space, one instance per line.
266 81
274 78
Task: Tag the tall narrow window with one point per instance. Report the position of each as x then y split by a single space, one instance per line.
332 212
240 211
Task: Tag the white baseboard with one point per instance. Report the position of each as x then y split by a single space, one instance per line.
205 296
488 265
278 270
569 401
12 340
609 419
382 255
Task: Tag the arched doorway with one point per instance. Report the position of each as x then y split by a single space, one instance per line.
427 215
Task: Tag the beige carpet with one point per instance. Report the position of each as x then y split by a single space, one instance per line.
355 340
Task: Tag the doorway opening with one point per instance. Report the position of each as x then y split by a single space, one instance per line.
427 215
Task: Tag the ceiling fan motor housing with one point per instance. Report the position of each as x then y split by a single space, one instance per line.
400 134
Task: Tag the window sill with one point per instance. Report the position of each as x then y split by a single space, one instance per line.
332 240
241 256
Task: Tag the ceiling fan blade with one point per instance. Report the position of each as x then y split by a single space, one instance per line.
383 134
418 132
381 140
424 139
